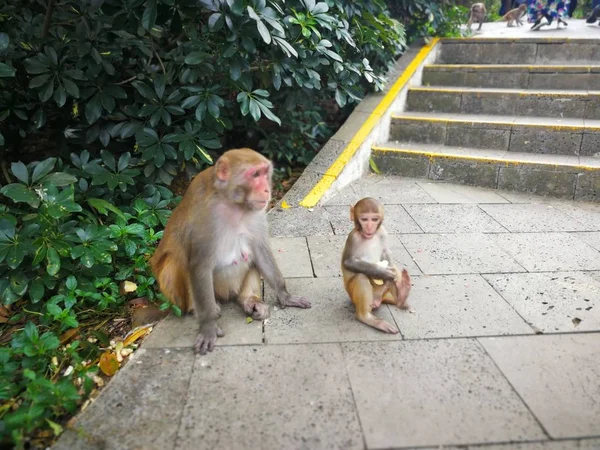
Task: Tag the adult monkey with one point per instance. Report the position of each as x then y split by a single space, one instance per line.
370 277
216 244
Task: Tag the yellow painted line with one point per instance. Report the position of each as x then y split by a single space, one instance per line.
430 155
323 185
494 122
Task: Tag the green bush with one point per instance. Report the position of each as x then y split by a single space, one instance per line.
426 18
64 247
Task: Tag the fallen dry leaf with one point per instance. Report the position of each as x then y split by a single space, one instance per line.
108 363
69 335
127 287
576 321
136 334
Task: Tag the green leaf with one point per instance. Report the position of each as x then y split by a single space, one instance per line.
47 91
71 283
254 110
14 258
264 32
102 206
195 58
53 259
215 21
36 290
31 332
124 161
374 166
59 179
20 193
144 90
93 109
4 41
19 170
60 96
56 428
6 71
149 16
190 102
267 112
42 169
38 81
108 159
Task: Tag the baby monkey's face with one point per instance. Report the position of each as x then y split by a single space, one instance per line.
369 224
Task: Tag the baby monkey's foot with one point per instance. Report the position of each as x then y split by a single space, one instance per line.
403 287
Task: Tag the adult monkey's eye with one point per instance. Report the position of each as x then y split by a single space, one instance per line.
256 174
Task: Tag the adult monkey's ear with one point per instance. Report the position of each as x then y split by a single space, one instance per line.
352 213
222 168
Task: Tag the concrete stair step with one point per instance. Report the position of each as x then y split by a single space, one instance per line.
563 176
544 135
519 51
514 76
580 104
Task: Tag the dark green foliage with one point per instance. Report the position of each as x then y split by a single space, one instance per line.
173 81
424 18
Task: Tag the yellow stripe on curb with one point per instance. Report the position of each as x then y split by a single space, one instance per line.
323 185
489 159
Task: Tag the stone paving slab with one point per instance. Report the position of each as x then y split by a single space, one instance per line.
422 393
533 217
270 397
140 408
326 255
587 214
592 239
292 256
175 331
330 319
555 302
557 376
456 193
388 190
396 220
298 222
444 254
457 305
547 252
571 444
453 219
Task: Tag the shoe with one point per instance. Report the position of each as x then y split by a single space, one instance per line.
540 23
594 15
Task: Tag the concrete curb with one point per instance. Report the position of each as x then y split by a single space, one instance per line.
345 157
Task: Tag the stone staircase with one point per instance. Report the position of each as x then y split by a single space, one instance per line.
512 114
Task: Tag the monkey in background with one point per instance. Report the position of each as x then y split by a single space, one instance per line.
216 245
370 277
478 13
515 15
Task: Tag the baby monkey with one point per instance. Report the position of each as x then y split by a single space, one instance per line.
370 277
515 15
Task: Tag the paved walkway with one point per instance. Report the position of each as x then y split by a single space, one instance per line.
502 344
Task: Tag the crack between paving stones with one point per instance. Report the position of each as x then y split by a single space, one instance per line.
530 325
418 339
538 421
488 214
362 430
312 266
189 383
